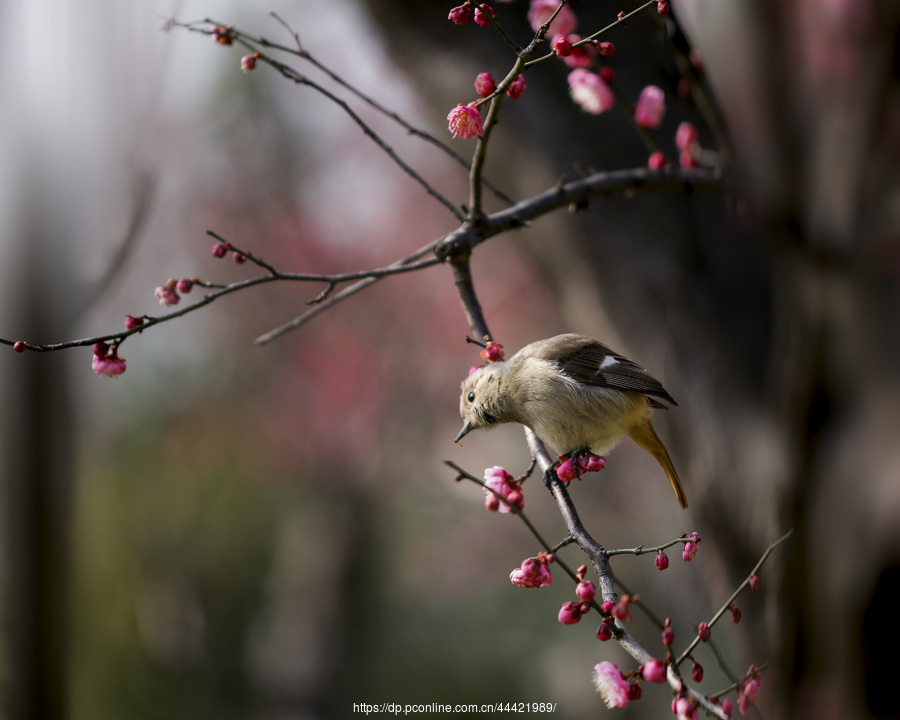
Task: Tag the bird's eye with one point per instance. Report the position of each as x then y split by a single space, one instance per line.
472 396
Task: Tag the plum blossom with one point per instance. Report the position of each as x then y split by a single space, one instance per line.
650 108
611 684
533 573
464 122
588 90
541 10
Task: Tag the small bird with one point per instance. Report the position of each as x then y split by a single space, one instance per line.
574 393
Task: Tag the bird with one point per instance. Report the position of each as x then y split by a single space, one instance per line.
576 394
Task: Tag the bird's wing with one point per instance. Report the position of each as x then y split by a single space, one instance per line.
592 363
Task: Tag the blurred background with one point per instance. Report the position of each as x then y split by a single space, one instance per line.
270 533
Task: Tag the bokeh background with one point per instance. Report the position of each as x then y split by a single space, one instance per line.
270 533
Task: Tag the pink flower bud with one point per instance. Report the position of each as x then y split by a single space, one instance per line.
569 613
219 250
516 88
703 631
607 74
20 346
461 14
606 49
184 285
464 121
590 92
484 84
607 607
662 560
697 672
222 35
686 135
689 551
493 352
516 499
591 463
650 108
668 636
622 610
747 695
604 632
727 707
735 613
532 574
565 471
634 691
585 591
561 46
239 257
654 670
132 322
483 13
492 502
248 62
662 7
754 582
581 56
166 296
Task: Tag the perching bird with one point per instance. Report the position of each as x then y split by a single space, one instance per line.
575 393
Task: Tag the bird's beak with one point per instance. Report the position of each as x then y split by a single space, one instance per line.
465 431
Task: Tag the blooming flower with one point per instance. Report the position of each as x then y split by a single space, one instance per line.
589 91
684 709
651 107
611 684
484 84
465 122
533 573
654 670
541 10
106 361
166 295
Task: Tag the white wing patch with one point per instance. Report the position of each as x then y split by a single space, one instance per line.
608 361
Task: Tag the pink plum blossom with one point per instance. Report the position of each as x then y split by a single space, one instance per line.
541 10
590 92
611 684
650 108
464 122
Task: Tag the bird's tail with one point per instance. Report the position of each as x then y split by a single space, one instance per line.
645 436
